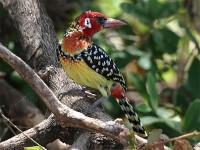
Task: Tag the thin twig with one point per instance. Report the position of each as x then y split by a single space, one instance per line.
66 116
9 126
8 120
191 134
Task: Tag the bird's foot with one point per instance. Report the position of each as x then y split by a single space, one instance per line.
94 108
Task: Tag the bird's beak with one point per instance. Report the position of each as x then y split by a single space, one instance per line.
113 23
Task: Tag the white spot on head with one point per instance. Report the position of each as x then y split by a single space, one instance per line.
87 23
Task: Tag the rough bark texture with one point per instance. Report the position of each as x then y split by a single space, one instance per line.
38 40
35 31
44 132
12 103
66 117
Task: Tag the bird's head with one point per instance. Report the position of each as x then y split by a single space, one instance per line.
92 22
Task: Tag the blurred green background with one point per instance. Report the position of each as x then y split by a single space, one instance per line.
158 53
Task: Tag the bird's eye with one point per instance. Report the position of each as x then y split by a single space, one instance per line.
101 20
87 23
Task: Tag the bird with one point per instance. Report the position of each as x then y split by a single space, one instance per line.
89 65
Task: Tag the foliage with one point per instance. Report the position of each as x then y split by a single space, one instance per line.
160 38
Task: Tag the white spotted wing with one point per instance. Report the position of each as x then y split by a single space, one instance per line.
98 60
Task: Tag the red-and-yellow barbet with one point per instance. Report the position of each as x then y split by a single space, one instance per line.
89 65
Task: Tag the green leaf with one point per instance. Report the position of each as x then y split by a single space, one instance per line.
154 136
139 84
145 62
169 75
155 9
138 10
163 9
192 117
169 117
148 120
193 38
143 108
193 83
16 77
33 148
122 58
112 5
152 91
148 11
165 113
164 40
174 123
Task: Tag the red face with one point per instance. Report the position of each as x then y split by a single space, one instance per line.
92 22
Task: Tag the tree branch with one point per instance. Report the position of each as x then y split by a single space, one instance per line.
38 41
66 116
45 132
191 134
12 101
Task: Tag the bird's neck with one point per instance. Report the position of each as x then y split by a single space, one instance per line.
74 41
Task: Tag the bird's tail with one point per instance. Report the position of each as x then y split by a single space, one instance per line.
132 116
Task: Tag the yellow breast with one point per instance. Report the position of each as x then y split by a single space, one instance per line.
81 73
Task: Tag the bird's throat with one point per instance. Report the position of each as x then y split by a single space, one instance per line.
75 42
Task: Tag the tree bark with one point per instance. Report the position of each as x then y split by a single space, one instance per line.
35 31
38 40
45 132
12 103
